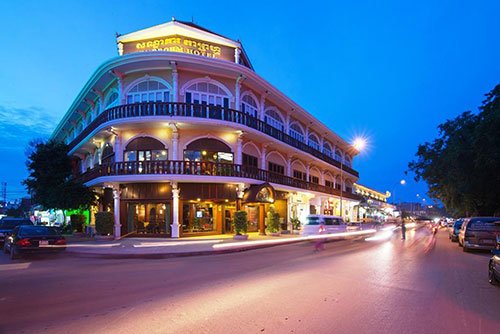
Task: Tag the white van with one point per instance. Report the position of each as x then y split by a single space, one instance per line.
333 224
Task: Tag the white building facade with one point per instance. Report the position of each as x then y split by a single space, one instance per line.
178 132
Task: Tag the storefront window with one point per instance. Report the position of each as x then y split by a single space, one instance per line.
198 217
148 218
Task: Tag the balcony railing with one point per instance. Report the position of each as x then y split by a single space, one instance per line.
204 168
177 109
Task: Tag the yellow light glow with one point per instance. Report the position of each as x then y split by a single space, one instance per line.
203 152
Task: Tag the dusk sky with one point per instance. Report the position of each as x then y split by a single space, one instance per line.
389 70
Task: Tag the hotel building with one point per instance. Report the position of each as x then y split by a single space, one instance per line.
178 132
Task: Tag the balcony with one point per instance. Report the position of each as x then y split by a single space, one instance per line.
204 168
177 109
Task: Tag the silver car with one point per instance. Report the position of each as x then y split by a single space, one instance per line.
479 233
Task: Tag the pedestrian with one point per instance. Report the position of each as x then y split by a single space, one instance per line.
319 244
403 229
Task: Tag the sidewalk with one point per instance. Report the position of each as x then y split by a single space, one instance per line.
154 248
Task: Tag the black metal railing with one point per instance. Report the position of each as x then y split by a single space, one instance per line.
171 167
178 109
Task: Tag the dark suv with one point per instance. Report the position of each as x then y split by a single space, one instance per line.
454 229
479 233
7 224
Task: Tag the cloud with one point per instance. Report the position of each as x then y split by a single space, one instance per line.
18 126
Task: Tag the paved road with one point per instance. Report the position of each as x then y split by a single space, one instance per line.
386 286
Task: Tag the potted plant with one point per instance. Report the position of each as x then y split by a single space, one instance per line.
273 222
295 224
77 222
104 222
240 225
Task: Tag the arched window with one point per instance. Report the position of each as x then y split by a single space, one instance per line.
348 161
313 142
338 155
149 90
249 105
296 132
208 149
327 149
207 93
111 100
272 118
145 149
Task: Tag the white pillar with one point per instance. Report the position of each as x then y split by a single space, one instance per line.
175 211
174 142
116 207
175 82
289 166
239 150
262 107
237 53
118 147
263 158
308 172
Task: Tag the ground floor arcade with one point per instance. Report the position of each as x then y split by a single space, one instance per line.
188 209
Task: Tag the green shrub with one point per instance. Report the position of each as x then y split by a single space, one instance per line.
273 220
295 223
77 222
104 222
240 222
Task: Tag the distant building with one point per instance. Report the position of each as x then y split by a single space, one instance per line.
373 204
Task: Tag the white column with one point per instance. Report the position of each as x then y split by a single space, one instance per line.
287 125
239 150
289 166
174 142
237 53
175 210
262 107
116 202
175 82
118 147
263 158
121 96
308 171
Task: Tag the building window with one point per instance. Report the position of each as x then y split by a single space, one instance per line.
313 179
338 155
250 160
347 161
327 149
111 100
209 150
208 94
249 106
273 119
299 175
145 149
313 142
148 91
328 184
296 132
275 168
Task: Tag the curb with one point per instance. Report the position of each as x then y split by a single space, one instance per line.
179 254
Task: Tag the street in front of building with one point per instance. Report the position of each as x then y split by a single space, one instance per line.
420 285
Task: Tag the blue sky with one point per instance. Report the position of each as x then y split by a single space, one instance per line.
391 70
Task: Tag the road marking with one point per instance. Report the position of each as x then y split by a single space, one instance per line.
14 266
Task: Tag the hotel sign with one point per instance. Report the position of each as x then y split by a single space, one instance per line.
182 44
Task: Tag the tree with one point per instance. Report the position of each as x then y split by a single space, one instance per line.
50 179
461 165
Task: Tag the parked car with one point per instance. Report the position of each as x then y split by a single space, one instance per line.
7 224
354 226
33 239
494 265
454 229
479 233
332 224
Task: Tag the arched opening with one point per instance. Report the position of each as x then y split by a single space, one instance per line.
148 90
348 161
296 132
208 150
108 155
299 170
327 149
314 175
314 142
249 105
207 93
338 155
273 118
145 149
111 100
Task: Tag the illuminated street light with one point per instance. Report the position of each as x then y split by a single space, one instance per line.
359 143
